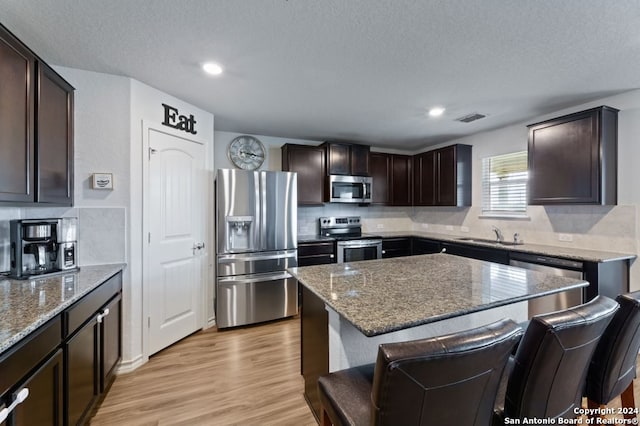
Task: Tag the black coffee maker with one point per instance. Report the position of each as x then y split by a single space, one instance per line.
41 246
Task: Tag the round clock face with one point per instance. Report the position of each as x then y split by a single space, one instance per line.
246 152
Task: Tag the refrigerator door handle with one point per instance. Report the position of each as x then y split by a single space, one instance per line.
254 278
232 258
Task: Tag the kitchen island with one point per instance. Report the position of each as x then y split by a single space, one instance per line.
349 309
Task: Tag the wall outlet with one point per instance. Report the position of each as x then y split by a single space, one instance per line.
380 226
565 237
464 229
449 228
425 225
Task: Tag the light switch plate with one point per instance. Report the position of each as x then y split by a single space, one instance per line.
449 228
565 237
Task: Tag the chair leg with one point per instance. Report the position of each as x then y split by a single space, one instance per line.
593 405
325 420
628 401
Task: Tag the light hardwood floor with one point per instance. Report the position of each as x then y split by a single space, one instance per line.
246 376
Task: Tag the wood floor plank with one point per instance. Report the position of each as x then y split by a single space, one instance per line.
245 376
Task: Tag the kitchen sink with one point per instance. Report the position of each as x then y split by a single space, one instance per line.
489 241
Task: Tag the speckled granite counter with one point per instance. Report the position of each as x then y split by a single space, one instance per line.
27 304
555 251
313 238
381 296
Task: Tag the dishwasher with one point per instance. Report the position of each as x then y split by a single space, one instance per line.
552 266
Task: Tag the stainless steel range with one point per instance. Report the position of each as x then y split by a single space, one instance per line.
352 244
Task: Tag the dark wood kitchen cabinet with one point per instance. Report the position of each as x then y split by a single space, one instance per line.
442 177
420 245
392 179
309 162
347 159
54 138
573 158
36 122
17 139
489 254
316 253
35 364
93 348
401 180
380 163
396 247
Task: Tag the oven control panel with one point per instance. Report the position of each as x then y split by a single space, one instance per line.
339 222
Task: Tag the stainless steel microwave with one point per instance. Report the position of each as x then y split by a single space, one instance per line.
349 189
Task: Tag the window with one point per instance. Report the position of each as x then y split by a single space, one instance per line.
504 185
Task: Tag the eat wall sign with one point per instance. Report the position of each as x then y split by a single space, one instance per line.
174 119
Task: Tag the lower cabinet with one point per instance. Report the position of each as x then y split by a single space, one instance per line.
316 253
424 246
43 406
56 375
396 247
480 253
92 350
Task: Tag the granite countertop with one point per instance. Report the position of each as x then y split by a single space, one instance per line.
545 250
25 305
385 295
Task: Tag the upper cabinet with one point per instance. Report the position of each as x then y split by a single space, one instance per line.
54 106
442 177
392 179
347 159
309 162
17 73
36 129
573 159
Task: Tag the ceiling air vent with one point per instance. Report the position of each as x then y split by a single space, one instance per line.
471 117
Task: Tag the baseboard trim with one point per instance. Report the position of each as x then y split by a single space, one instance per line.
130 365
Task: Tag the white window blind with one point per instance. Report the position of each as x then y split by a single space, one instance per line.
504 184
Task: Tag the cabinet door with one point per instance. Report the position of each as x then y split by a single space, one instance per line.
425 179
16 120
43 406
401 179
424 246
82 364
572 158
381 175
320 253
308 162
396 247
360 160
54 171
446 176
338 158
480 253
110 342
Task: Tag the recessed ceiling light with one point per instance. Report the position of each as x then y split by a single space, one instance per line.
212 68
436 111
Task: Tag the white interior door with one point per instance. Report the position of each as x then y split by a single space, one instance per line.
176 223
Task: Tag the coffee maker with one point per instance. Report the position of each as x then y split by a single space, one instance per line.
42 246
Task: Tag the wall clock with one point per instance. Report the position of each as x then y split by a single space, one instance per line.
246 152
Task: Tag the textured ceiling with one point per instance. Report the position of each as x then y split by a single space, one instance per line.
360 70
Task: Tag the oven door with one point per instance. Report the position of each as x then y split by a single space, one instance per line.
354 250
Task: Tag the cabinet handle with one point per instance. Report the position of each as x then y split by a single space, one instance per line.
444 250
331 256
20 397
384 252
101 315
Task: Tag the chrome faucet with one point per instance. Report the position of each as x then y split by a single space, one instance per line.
499 236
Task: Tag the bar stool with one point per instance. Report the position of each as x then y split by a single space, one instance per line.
613 366
549 368
446 380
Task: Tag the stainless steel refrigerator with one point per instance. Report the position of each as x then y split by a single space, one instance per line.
256 232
